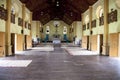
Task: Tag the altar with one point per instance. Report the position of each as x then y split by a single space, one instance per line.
56 41
56 35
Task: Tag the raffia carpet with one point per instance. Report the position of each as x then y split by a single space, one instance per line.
14 63
79 51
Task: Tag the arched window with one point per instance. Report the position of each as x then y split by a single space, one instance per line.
47 29
117 3
65 30
87 19
99 12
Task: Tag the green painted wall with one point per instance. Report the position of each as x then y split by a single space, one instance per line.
98 29
94 8
3 2
15 28
2 22
18 13
53 29
2 25
115 26
26 31
86 32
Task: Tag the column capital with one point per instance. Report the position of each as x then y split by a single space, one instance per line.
90 6
23 5
31 12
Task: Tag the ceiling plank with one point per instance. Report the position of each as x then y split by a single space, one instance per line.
66 10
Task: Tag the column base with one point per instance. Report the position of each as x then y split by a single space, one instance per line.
89 46
8 51
105 50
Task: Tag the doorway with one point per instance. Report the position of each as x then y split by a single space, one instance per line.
100 44
87 42
19 42
13 43
28 42
25 39
114 45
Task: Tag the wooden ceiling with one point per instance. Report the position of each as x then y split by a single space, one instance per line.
66 10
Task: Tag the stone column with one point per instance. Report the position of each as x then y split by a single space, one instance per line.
23 27
75 27
31 28
72 31
90 26
42 36
38 29
82 19
105 47
31 23
7 33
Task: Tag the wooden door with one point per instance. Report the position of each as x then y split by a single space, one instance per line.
2 43
19 42
94 42
114 42
29 41
85 42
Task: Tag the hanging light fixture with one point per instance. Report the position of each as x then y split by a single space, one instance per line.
71 14
41 13
57 4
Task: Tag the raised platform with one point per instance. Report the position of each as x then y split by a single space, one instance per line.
56 41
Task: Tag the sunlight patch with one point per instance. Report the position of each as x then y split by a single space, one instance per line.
83 53
80 51
43 49
14 63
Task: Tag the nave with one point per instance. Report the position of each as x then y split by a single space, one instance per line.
53 62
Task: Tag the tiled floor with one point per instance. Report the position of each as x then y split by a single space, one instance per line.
59 65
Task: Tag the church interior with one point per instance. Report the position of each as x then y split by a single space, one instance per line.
59 39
